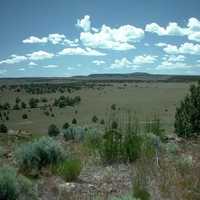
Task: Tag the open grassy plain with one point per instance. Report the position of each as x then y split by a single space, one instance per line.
144 98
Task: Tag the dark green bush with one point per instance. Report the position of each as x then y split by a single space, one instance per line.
24 116
74 121
187 117
63 101
102 122
33 102
3 128
113 107
40 153
16 107
94 119
23 105
66 126
53 130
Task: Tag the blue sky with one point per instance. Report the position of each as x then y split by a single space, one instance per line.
65 38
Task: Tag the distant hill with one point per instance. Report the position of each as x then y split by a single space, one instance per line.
113 77
140 76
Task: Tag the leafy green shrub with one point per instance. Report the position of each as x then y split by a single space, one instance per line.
102 122
33 102
122 140
15 187
23 105
68 169
24 116
17 100
74 121
94 119
187 117
141 193
53 130
132 146
33 156
66 126
114 125
113 107
3 128
111 146
121 143
74 133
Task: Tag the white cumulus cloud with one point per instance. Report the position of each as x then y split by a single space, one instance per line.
33 39
171 29
191 30
84 23
174 58
186 48
121 63
172 65
40 55
54 38
144 59
14 59
81 52
121 38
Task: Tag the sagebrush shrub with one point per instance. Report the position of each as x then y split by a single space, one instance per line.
74 133
171 148
8 184
15 187
38 154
